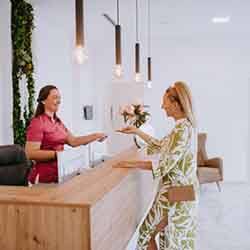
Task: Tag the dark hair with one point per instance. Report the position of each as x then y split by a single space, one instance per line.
43 94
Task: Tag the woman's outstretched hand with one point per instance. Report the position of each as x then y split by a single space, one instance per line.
100 137
128 130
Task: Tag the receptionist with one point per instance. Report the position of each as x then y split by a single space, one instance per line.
47 134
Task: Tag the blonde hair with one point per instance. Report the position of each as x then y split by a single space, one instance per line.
185 98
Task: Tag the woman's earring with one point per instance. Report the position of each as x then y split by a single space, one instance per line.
43 102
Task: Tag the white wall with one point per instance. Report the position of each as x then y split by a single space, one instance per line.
218 76
53 47
5 75
248 138
214 61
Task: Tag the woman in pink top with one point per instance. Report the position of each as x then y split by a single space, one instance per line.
46 135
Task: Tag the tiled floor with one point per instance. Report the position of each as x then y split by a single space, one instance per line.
224 218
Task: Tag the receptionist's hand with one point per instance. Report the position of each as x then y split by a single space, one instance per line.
101 137
128 130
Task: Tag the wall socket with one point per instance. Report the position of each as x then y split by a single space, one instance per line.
88 112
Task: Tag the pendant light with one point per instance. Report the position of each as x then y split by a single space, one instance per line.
118 55
149 59
80 49
137 48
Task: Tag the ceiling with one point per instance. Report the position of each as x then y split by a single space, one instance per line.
179 16
186 19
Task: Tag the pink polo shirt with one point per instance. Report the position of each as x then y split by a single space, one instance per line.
52 135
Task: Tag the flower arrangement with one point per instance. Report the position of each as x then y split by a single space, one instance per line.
134 114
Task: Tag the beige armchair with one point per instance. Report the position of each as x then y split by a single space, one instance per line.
209 170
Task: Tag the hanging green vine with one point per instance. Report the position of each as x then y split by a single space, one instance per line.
22 25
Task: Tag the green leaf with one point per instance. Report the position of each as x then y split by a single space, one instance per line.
21 34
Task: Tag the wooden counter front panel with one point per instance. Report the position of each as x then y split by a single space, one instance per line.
33 227
113 219
97 210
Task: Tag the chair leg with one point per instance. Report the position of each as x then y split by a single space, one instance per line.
218 185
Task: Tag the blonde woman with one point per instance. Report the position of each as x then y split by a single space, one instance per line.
176 222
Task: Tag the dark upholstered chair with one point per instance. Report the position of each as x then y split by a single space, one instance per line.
209 170
14 166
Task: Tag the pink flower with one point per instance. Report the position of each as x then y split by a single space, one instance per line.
141 109
129 109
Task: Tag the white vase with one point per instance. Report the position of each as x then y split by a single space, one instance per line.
146 128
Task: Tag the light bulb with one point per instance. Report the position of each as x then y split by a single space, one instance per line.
138 77
149 84
81 54
118 71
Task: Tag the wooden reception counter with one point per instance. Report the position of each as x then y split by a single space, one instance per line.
98 210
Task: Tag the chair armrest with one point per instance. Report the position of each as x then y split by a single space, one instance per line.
182 193
215 163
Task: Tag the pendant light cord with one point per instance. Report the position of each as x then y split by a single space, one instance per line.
137 22
149 29
118 11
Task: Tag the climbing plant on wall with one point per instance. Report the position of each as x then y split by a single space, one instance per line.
22 25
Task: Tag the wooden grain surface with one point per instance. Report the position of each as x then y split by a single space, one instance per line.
97 210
